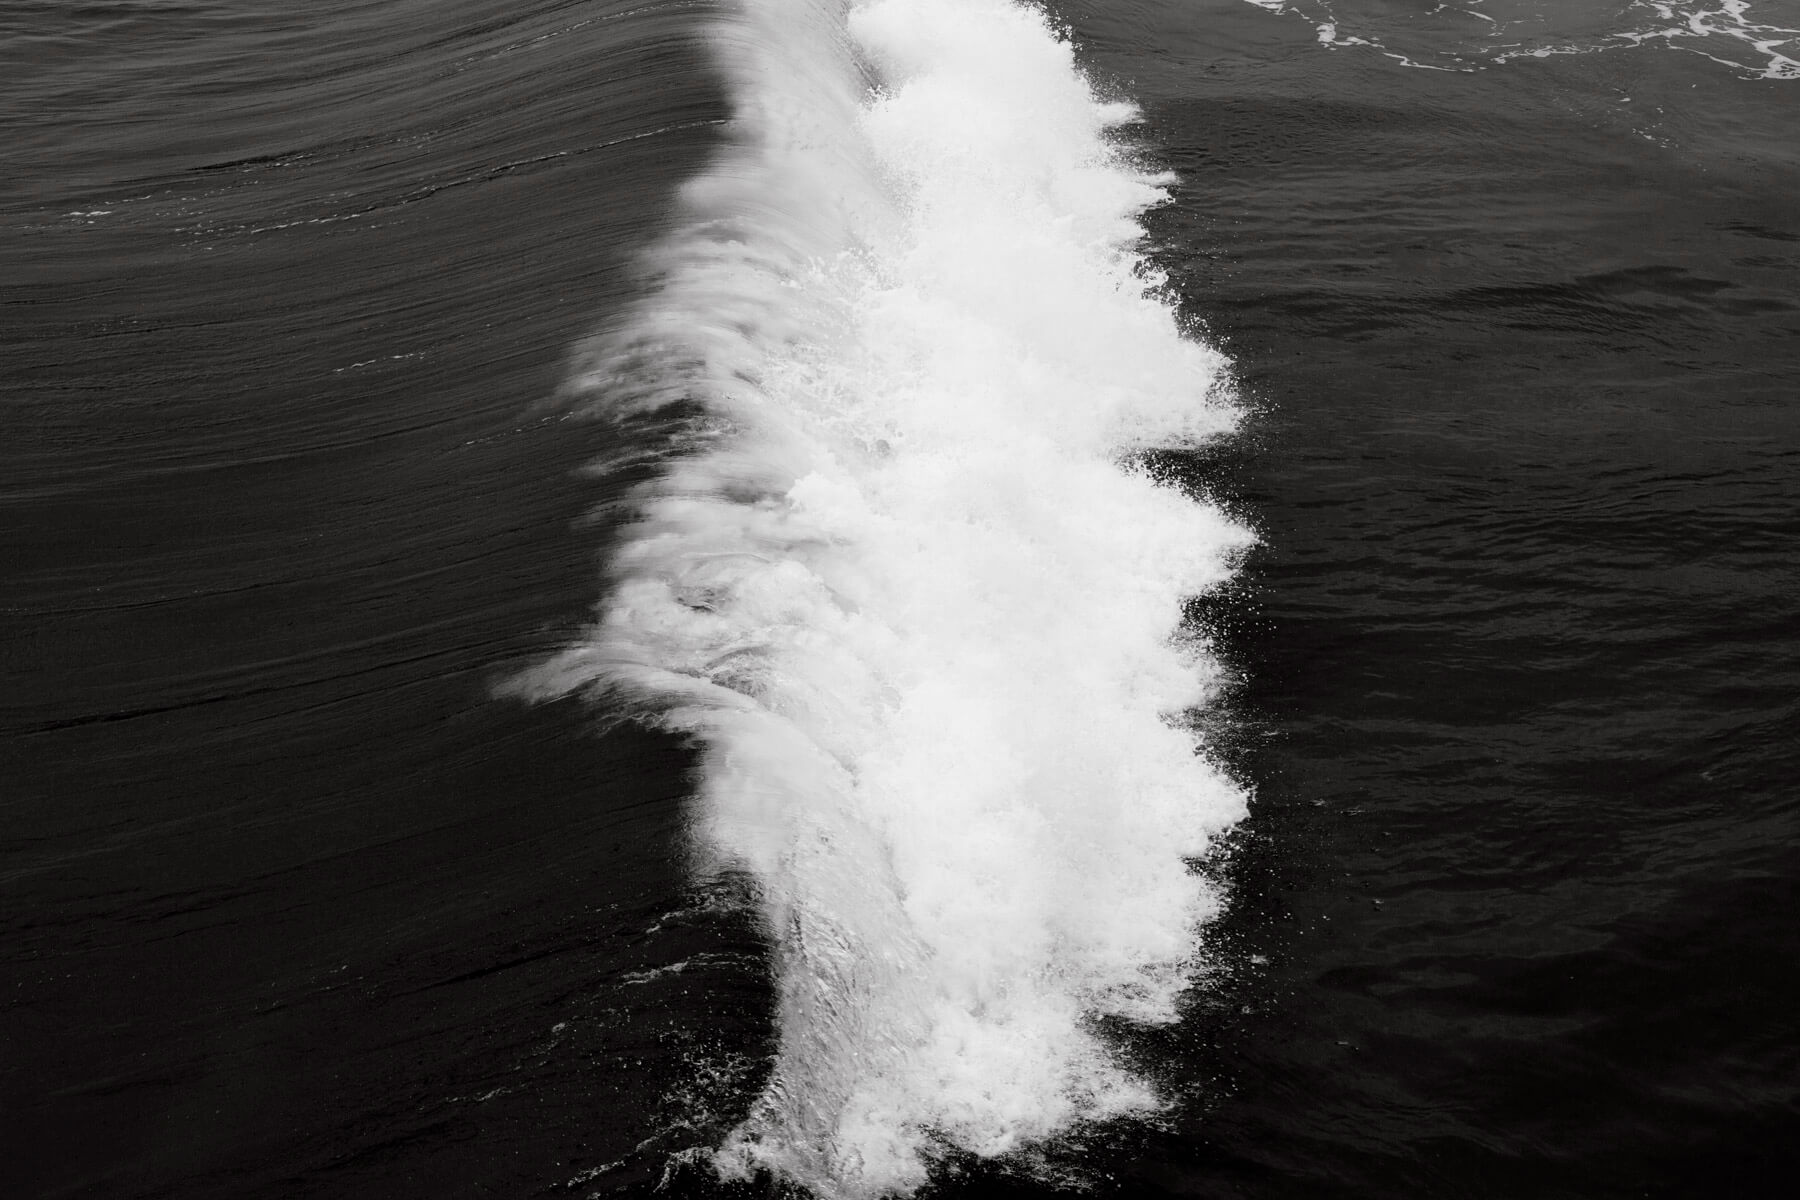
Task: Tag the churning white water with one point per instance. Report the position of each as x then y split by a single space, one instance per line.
899 581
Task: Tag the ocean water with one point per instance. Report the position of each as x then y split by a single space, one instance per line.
903 597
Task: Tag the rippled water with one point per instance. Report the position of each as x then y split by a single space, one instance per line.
293 485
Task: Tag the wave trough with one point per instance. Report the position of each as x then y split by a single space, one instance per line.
897 576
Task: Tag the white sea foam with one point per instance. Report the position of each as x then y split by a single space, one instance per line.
900 583
1465 37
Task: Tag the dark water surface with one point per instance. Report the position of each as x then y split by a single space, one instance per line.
1525 626
292 906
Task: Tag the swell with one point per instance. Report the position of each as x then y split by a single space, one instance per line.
895 574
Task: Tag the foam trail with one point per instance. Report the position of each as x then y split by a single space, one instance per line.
899 583
1733 33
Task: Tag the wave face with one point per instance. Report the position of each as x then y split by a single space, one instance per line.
897 577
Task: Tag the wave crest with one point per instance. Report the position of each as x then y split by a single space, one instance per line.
898 580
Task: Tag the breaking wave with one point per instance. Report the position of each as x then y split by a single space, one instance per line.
899 573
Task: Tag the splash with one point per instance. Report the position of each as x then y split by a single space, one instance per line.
897 578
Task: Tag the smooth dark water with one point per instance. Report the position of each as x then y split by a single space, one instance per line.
293 906
1524 625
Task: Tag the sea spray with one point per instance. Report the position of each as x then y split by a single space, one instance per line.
898 579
